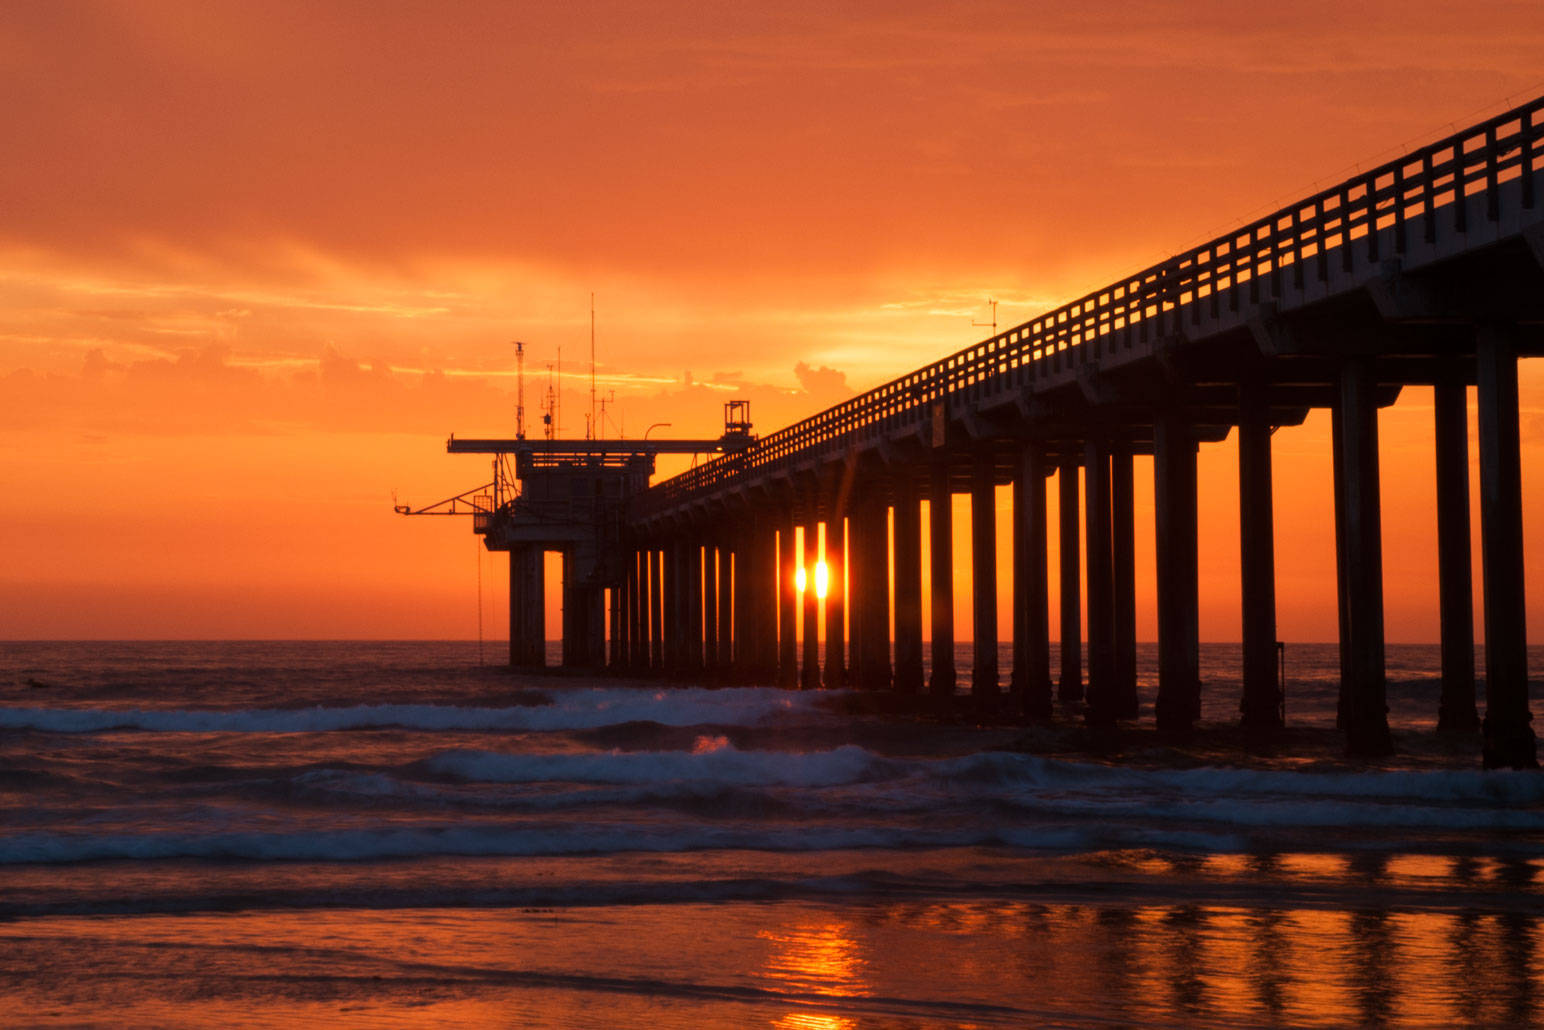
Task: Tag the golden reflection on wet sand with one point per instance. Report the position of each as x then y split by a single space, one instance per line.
1328 960
815 959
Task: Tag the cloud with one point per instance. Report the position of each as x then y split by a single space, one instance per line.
826 385
203 392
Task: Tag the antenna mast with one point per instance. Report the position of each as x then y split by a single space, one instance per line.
548 416
595 428
992 323
519 390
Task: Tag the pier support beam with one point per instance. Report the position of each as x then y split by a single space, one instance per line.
675 605
1179 624
1031 609
836 594
1261 704
725 619
637 613
1070 687
760 620
787 600
1455 575
1103 707
1508 735
941 570
908 586
871 595
617 659
593 600
656 571
584 616
573 616
694 593
809 678
744 633
1123 551
710 628
983 551
1364 714
527 608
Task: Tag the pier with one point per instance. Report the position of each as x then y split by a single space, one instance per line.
1428 269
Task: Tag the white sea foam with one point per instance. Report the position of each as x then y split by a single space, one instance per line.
854 781
571 710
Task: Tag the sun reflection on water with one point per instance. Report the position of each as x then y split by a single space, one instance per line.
816 959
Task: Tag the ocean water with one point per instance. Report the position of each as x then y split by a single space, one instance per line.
389 835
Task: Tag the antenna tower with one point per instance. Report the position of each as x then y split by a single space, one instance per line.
519 390
551 404
595 426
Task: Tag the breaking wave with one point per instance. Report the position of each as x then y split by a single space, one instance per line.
571 710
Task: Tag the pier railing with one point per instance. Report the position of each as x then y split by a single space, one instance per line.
1370 214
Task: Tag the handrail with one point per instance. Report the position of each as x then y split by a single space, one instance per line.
1256 256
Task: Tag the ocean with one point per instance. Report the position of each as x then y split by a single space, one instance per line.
392 835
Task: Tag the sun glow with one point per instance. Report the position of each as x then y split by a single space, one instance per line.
822 579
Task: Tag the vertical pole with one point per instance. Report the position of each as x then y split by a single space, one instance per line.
725 620
744 615
675 583
787 598
1456 710
1123 551
765 601
637 636
573 615
1508 737
656 609
593 612
693 589
1177 534
527 608
983 551
1031 609
648 605
858 557
836 594
1102 710
1365 694
618 597
810 674
874 603
1261 701
908 585
516 603
710 607
1071 685
941 567
1342 601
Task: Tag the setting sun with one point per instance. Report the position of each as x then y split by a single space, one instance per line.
822 579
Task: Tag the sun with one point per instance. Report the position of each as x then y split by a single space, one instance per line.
822 579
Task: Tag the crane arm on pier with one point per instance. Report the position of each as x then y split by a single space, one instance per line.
476 501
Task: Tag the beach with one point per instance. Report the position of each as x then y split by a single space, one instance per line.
387 834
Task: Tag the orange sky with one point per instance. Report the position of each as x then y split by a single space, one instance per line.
258 261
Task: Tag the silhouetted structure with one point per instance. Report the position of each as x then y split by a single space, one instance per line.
1425 270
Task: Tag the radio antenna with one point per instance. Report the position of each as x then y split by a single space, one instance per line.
596 428
519 390
992 323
